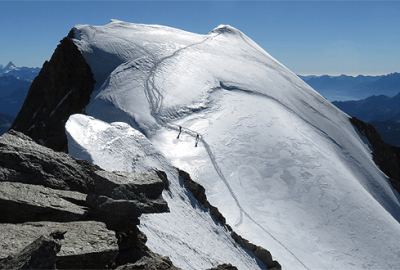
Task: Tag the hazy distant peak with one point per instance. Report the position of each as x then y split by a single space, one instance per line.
10 66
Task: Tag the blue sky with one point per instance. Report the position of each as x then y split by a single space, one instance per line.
308 37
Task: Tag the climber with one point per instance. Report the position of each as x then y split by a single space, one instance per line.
180 130
197 139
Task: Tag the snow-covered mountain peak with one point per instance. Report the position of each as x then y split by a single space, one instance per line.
225 29
9 66
285 167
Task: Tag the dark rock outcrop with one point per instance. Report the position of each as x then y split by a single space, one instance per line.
84 244
63 87
130 193
150 263
385 156
23 160
40 254
261 253
198 192
224 266
91 213
22 203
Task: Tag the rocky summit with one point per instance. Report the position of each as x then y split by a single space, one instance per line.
58 212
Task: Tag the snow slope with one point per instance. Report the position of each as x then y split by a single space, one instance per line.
284 166
187 234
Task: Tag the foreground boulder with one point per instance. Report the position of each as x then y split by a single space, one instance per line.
78 215
23 160
22 203
130 193
150 263
86 244
40 254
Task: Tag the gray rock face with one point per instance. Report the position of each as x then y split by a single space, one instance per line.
92 214
385 156
23 160
62 88
40 254
150 263
87 244
22 203
130 193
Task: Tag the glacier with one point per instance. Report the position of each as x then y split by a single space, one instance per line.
283 165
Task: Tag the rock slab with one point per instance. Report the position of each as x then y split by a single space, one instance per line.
51 201
84 244
40 254
23 160
22 203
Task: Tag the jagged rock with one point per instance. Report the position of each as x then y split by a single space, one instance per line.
23 160
22 202
243 242
40 254
130 193
261 253
86 244
163 176
134 254
39 184
265 256
62 88
198 192
385 156
150 263
224 267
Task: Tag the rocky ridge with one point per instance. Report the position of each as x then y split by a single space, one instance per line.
198 192
63 87
386 156
59 212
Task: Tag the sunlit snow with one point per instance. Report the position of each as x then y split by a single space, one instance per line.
283 165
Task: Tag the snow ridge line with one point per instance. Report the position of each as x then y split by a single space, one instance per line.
153 93
155 109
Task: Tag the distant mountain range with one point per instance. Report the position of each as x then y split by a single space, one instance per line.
389 131
14 86
381 111
344 88
374 108
5 122
19 72
372 99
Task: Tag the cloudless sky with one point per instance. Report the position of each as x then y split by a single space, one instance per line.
308 37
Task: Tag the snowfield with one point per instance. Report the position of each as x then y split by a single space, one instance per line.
283 165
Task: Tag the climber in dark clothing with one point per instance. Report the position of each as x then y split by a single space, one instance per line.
180 131
197 139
